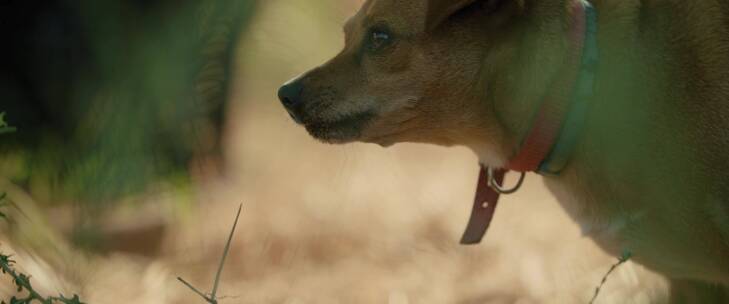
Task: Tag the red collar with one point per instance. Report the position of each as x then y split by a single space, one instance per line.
541 138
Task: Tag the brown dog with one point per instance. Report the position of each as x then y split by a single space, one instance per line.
649 170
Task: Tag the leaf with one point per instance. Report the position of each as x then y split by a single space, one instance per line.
5 259
4 127
22 280
74 300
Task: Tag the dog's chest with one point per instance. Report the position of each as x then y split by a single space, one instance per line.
644 227
583 207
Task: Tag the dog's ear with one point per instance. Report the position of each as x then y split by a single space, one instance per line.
440 10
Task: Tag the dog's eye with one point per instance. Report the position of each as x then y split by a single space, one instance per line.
378 39
380 36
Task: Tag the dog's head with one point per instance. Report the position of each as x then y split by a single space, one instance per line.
415 71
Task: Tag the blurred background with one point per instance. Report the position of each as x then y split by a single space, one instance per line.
140 126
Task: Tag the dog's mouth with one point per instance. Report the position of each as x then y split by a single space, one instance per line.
343 130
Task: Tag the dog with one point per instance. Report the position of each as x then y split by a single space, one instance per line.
622 106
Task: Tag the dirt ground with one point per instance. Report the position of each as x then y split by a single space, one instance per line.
342 224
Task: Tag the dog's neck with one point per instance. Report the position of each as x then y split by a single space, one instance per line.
554 128
552 135
534 99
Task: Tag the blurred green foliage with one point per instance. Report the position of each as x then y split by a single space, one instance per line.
110 96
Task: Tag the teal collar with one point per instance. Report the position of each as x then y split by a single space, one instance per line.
583 91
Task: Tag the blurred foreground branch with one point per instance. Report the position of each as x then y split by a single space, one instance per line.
624 258
212 298
22 281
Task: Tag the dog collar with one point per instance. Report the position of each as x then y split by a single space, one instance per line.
555 126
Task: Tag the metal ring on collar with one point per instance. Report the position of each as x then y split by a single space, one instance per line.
493 184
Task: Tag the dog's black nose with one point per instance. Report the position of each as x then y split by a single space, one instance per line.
290 94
